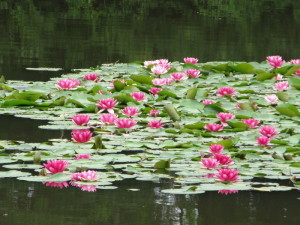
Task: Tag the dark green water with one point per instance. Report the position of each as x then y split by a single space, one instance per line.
85 33
22 203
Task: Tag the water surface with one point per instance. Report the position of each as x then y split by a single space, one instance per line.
80 34
23 203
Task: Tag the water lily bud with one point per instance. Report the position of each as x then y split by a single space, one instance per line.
43 172
37 157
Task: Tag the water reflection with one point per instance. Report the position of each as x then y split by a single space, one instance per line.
73 34
227 192
65 184
34 203
58 185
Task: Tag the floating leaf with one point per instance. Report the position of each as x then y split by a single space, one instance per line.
236 124
13 173
162 164
172 112
213 109
45 69
283 96
142 79
288 110
264 76
243 68
295 82
191 93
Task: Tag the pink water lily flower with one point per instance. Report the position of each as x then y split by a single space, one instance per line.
130 111
125 123
155 91
297 72
92 77
216 148
107 104
162 61
213 127
161 81
268 131
295 61
229 175
192 73
155 124
167 81
154 113
158 82
190 60
149 63
224 91
56 166
209 163
108 118
83 156
138 96
178 76
263 140
89 175
207 102
82 136
225 116
167 66
275 61
80 119
271 98
281 86
61 185
226 192
68 84
159 69
224 160
252 123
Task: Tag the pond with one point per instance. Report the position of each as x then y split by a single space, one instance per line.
24 203
83 34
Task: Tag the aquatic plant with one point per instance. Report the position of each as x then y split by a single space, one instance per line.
271 98
190 60
130 111
216 148
81 119
155 124
108 118
125 123
92 76
210 163
56 166
138 96
213 127
82 136
226 174
253 128
224 91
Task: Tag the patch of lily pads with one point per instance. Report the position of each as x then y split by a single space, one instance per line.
187 109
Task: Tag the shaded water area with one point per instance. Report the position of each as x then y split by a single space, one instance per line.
80 34
25 203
